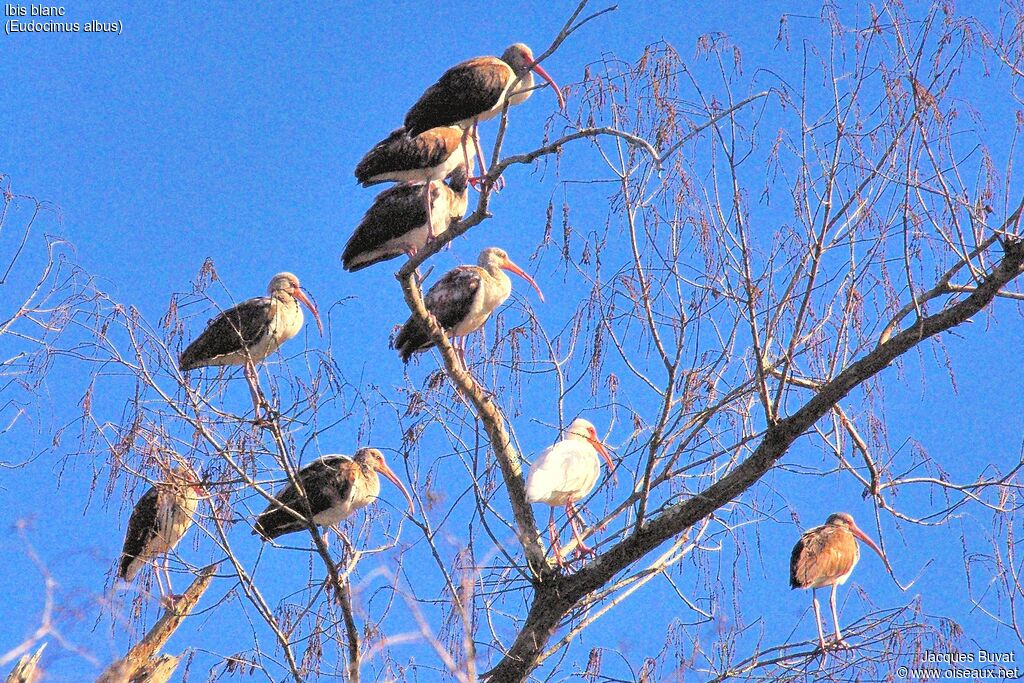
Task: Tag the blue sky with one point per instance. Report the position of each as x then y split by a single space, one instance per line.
230 132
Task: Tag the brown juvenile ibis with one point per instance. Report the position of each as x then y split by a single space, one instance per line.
425 158
397 222
565 473
462 300
403 158
335 486
249 332
476 90
826 556
157 523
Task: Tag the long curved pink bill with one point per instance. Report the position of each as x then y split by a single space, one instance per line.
387 472
558 91
603 450
301 296
513 268
867 540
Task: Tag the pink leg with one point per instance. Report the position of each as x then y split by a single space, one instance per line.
159 581
581 548
254 387
431 236
460 346
168 599
499 183
817 618
478 180
479 150
465 156
556 550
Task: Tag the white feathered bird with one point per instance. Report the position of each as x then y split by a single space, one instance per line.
565 473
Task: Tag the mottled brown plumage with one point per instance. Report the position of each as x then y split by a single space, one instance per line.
826 556
476 90
335 487
462 300
399 223
249 332
158 522
253 329
465 93
823 556
421 158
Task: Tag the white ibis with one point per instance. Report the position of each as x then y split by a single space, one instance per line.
397 222
249 332
475 91
826 556
158 522
335 486
565 473
462 300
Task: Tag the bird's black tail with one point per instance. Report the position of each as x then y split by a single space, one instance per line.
274 523
412 338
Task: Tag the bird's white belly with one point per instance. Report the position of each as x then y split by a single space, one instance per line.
477 316
521 94
333 515
414 239
171 524
419 175
486 299
175 521
560 478
284 325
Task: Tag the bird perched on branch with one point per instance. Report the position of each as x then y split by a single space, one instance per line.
462 300
249 332
157 524
826 556
476 90
403 158
565 473
335 486
425 158
397 222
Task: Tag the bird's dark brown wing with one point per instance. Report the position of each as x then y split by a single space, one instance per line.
464 91
794 564
395 211
450 300
142 528
231 331
325 485
402 152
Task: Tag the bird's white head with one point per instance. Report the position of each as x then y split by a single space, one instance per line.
374 459
493 258
845 520
289 284
520 57
584 430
